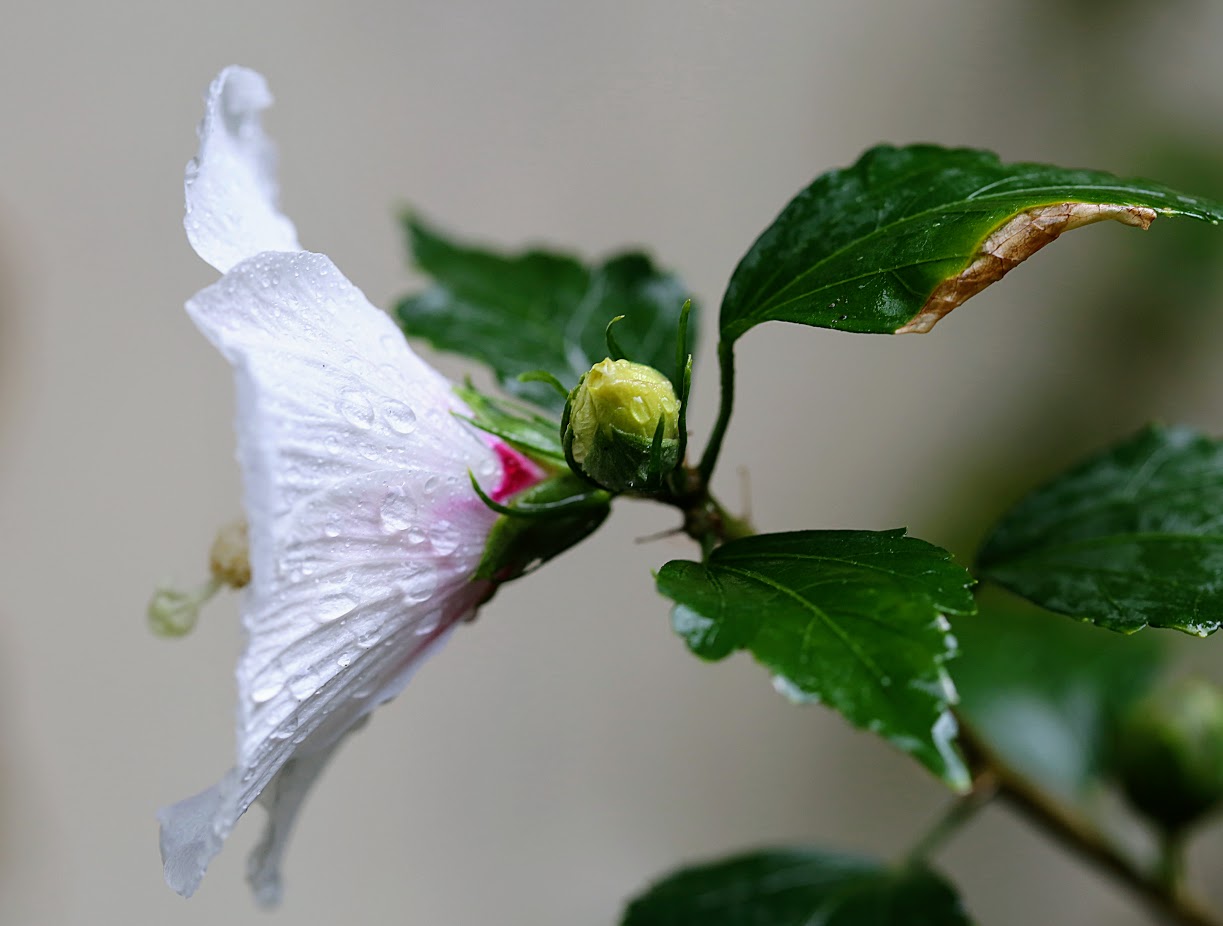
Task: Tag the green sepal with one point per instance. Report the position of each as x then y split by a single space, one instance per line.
542 522
521 427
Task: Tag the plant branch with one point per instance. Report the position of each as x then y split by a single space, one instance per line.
726 366
1078 835
960 811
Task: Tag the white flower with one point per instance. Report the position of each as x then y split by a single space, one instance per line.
365 533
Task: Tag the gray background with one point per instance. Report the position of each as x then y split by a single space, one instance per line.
565 748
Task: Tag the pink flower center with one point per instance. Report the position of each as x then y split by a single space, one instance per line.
517 472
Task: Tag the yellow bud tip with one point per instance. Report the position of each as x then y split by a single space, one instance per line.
625 396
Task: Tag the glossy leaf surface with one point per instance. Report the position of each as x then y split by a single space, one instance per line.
904 235
852 619
798 887
540 310
1045 693
1130 538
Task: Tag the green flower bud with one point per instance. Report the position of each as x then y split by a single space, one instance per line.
1169 753
610 421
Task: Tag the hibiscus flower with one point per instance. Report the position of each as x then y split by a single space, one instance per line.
365 532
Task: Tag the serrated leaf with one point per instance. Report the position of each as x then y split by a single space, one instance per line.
853 619
1045 693
540 310
898 240
1130 538
798 887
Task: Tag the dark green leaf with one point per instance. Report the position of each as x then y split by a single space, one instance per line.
798 887
906 234
853 619
520 427
1131 537
540 311
1045 693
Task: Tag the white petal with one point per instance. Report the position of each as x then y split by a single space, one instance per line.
231 188
364 530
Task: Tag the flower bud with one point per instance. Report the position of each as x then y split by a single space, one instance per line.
610 421
1169 753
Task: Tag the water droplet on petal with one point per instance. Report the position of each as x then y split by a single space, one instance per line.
333 607
401 418
357 409
397 510
305 684
445 537
419 588
261 694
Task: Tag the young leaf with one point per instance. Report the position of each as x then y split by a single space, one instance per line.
798 887
853 619
1130 538
898 240
539 310
1045 693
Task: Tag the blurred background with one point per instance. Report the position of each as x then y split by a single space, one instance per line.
565 749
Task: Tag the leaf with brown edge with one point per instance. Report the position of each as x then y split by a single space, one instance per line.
899 239
1012 244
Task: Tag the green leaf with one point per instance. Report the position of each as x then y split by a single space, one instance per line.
853 619
540 310
798 887
1045 693
519 426
1130 538
905 235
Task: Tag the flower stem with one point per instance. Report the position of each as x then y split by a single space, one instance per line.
959 812
1078 835
726 365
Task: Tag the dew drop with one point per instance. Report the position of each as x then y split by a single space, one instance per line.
426 626
419 588
401 418
304 685
333 607
357 409
344 660
261 694
445 537
397 511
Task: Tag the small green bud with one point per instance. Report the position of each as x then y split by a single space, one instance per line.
1169 753
610 422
